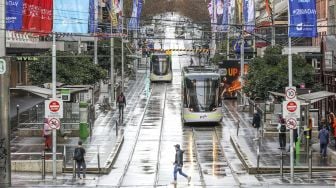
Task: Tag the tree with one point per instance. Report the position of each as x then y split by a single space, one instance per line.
71 69
270 73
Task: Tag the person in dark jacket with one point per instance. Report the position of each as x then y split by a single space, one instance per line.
256 123
324 141
121 101
178 164
79 154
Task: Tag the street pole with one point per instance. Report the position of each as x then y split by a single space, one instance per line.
242 55
273 26
54 97
122 47
213 34
290 83
5 163
95 50
79 45
112 64
228 45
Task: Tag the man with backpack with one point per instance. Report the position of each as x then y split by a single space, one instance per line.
178 164
282 133
121 101
79 158
324 141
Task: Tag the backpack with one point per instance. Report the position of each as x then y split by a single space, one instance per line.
120 98
283 128
78 156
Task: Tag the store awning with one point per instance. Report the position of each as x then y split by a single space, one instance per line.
39 91
316 96
309 97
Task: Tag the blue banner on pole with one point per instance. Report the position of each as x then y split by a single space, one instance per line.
14 14
133 21
302 18
71 16
92 24
139 12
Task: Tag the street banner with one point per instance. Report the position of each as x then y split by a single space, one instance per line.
302 18
219 13
112 6
31 16
71 16
232 10
225 21
133 21
14 15
46 19
249 16
93 8
139 12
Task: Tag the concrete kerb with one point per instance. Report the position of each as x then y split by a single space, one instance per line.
252 169
113 156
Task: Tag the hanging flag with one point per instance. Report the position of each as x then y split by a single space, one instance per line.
225 21
268 7
46 16
249 15
31 16
71 16
139 12
232 12
93 8
14 15
133 21
302 22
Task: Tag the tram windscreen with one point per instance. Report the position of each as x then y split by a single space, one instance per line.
160 64
201 94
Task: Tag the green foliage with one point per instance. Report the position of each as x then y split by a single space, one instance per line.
71 69
270 73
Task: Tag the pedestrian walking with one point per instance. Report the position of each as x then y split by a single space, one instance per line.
256 123
79 154
321 124
121 102
47 135
178 164
332 122
282 133
324 141
310 129
191 62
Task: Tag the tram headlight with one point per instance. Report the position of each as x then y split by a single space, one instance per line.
214 109
191 109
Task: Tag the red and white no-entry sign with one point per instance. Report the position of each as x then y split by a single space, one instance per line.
291 109
291 106
53 108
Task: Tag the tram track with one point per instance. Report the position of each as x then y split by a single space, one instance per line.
218 164
142 128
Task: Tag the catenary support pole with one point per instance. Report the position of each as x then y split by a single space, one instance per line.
122 49
5 175
54 97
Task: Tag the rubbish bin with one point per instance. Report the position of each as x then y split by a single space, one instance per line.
84 130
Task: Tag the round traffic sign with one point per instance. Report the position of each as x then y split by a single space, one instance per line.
291 123
54 123
291 106
54 106
290 93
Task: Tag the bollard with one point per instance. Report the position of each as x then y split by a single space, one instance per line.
64 157
117 128
43 164
98 160
18 114
310 163
281 164
258 156
74 168
237 127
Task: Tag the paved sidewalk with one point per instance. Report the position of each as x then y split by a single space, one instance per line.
104 142
269 152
